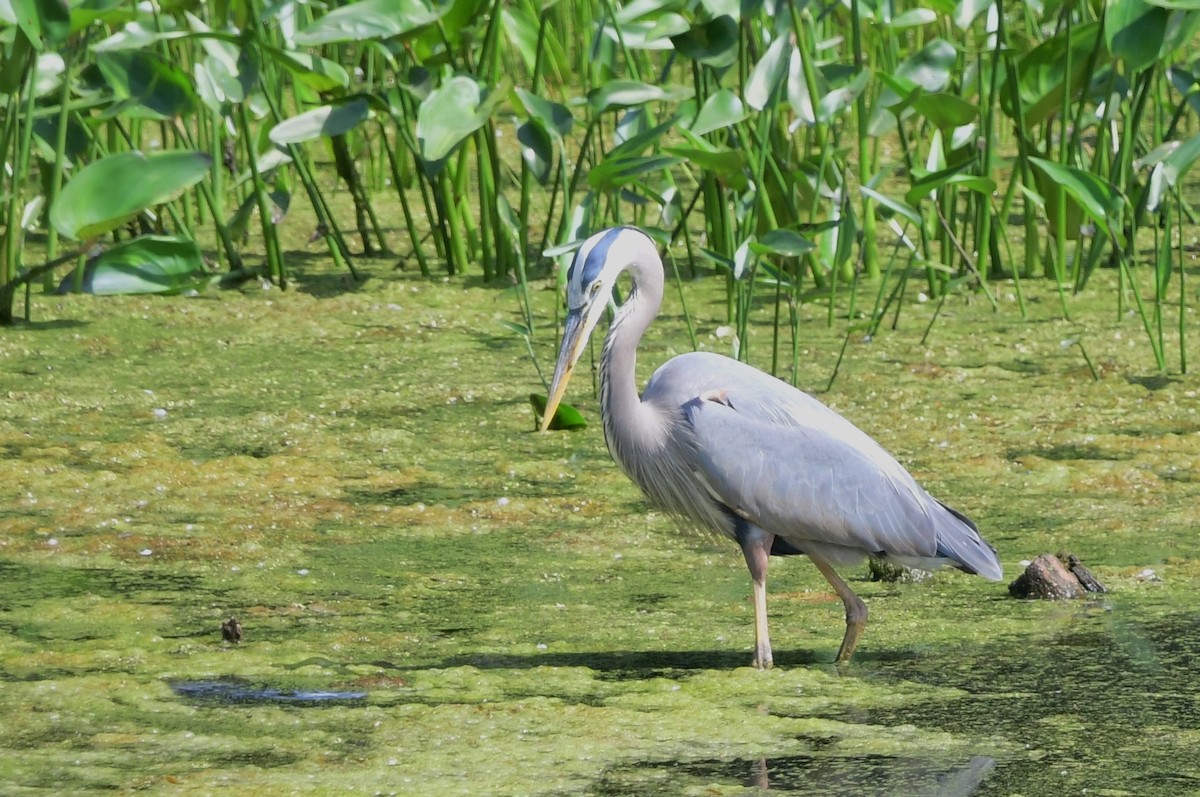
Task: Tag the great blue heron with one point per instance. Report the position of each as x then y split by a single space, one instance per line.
728 448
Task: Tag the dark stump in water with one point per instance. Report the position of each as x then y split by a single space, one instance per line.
231 630
1048 578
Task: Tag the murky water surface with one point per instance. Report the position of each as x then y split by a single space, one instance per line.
437 601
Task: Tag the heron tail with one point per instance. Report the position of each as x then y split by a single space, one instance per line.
959 541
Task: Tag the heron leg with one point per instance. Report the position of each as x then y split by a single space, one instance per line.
856 610
756 547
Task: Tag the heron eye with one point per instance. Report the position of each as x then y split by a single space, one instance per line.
592 291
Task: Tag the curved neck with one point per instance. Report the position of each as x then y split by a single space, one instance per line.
626 420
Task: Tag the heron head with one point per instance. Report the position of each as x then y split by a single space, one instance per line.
590 280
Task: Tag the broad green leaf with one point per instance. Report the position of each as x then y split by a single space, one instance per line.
713 43
108 192
565 417
553 117
840 99
628 93
967 11
1134 32
521 30
722 109
768 73
1169 170
634 10
537 150
1099 199
912 18
787 243
727 165
154 88
744 259
319 74
43 21
928 69
371 19
1177 5
328 120
798 93
149 264
651 34
450 114
956 175
944 110
1041 76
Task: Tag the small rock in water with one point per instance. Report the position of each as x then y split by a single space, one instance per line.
1048 578
231 630
883 570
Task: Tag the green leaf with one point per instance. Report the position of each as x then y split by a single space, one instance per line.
650 34
615 172
894 205
108 192
967 11
448 116
955 175
371 19
1041 77
1134 32
713 43
328 120
838 100
929 69
149 264
565 417
1177 5
719 111
537 150
319 74
1100 200
628 93
768 73
944 110
798 94
553 117
1169 170
153 88
727 165
787 243
43 21
912 18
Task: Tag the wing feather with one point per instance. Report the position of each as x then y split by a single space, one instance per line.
786 462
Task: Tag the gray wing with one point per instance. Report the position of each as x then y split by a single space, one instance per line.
786 462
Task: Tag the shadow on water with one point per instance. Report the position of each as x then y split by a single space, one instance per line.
1111 705
800 775
231 691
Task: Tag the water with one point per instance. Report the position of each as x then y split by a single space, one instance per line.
331 472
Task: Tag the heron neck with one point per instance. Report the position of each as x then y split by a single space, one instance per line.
626 419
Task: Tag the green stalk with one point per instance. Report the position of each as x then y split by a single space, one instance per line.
60 149
409 222
1182 291
275 267
861 118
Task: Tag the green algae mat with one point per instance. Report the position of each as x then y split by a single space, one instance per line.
437 600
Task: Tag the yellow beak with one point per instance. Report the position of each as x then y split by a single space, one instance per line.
574 339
